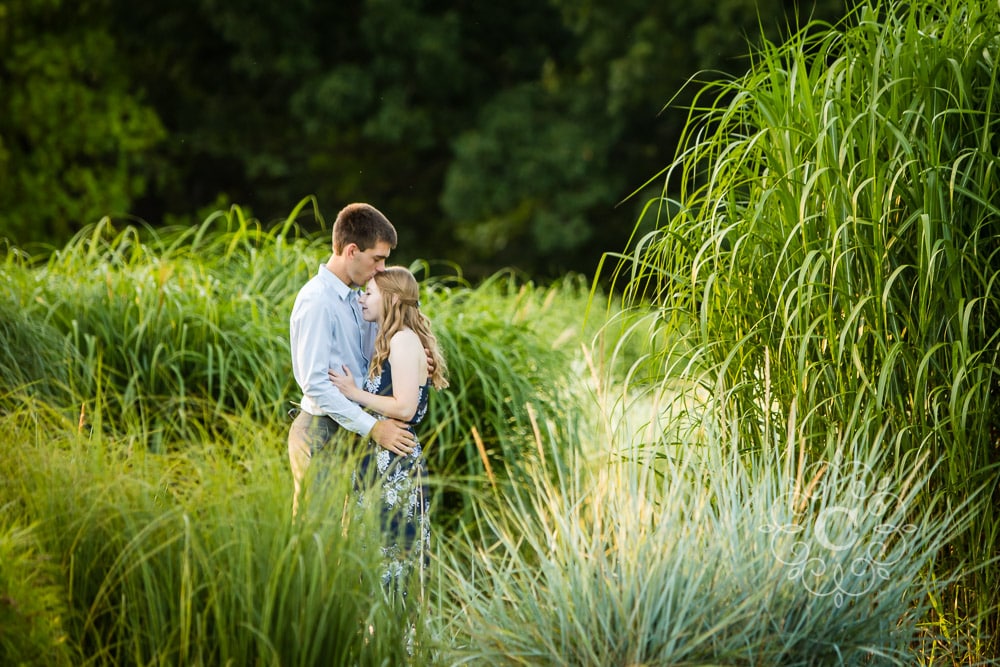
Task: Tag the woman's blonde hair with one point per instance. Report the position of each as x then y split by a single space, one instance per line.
401 310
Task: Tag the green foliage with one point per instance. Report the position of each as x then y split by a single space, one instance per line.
74 137
833 250
361 105
188 559
523 180
493 135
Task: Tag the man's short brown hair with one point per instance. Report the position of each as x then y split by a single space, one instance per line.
363 225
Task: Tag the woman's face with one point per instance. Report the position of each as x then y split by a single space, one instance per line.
371 303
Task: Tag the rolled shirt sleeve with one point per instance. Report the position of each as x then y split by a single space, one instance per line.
326 331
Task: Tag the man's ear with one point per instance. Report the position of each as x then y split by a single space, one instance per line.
350 249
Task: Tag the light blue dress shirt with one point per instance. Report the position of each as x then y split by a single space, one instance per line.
326 331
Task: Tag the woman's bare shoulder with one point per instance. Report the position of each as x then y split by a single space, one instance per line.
405 338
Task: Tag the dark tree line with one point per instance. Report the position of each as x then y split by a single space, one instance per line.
493 134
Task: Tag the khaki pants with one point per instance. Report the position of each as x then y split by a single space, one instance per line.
311 436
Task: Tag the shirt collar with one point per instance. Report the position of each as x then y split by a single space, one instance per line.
331 279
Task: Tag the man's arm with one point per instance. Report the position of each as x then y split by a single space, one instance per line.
313 346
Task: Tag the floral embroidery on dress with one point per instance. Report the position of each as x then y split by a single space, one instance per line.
372 384
405 502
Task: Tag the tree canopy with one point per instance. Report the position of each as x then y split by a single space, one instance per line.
491 134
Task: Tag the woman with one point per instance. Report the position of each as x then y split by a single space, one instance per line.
397 386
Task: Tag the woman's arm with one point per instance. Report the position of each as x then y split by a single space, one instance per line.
407 358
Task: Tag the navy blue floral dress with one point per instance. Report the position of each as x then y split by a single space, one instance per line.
401 482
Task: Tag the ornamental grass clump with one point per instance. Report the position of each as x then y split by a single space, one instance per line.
185 558
701 558
829 239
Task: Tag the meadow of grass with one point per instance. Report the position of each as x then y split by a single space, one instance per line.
609 550
146 381
771 445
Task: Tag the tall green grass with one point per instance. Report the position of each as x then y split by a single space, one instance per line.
184 558
177 333
634 556
833 250
144 442
171 329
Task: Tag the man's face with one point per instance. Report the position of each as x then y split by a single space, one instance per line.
365 263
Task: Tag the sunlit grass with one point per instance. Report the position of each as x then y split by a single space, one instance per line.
186 558
833 251
649 555
688 556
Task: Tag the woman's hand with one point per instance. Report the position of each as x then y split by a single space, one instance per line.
345 383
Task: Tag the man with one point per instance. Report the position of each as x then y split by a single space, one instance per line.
326 331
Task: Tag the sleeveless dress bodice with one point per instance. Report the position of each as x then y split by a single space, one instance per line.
381 385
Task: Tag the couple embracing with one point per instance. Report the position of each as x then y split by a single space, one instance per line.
374 350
